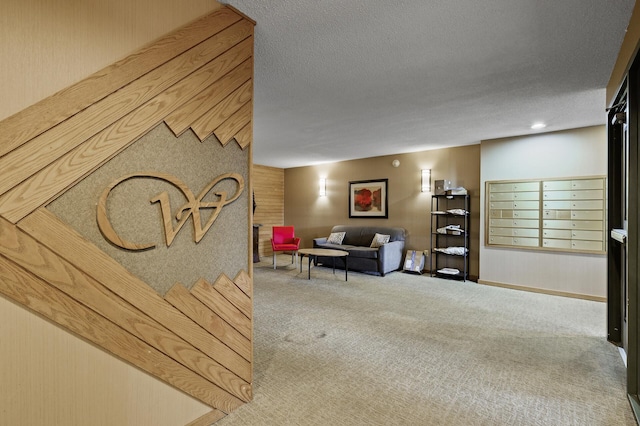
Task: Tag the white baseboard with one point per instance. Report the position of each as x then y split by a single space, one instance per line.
623 355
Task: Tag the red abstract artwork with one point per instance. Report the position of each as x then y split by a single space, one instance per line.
368 198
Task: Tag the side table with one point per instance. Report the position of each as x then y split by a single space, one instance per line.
313 252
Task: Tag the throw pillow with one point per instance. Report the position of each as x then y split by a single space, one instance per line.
379 239
336 238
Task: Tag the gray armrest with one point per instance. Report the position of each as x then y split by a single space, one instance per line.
321 240
391 256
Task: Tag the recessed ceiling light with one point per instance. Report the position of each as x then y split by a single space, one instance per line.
538 126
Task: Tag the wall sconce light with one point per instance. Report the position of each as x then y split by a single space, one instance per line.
426 180
323 187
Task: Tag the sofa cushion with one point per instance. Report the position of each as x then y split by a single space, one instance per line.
363 252
379 239
336 238
336 246
362 235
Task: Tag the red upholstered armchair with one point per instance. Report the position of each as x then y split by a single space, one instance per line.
283 239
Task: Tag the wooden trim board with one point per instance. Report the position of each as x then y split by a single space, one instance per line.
544 291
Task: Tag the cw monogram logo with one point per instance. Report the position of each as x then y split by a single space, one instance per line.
190 208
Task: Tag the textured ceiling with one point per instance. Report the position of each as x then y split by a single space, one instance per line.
338 80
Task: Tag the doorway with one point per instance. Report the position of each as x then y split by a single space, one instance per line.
623 257
618 195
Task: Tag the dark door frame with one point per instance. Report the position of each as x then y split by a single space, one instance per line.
633 227
633 357
615 251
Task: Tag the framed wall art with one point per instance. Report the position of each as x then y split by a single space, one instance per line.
368 198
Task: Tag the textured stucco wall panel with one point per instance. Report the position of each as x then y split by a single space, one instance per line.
222 250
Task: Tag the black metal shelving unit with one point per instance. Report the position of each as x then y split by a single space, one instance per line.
449 237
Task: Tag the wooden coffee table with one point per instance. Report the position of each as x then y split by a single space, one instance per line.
313 252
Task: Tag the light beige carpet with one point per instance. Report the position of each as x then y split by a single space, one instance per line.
412 350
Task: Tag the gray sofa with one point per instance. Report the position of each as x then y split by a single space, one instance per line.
362 257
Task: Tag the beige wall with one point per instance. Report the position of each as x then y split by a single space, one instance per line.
571 153
51 371
313 216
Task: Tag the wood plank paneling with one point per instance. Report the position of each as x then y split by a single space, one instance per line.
49 267
268 185
47 113
230 291
25 289
50 373
245 135
202 345
208 419
204 125
227 130
42 150
68 169
244 283
66 243
209 296
189 113
221 112
180 297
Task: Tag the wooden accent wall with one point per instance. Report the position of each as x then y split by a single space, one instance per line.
198 340
268 185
